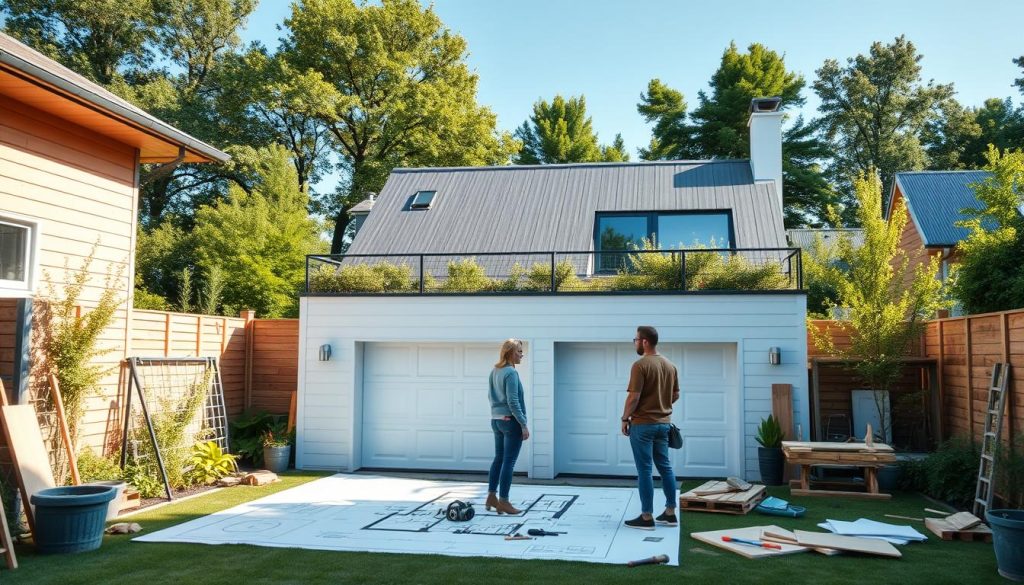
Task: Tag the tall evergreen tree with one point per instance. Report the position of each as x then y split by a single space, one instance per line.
718 127
959 137
398 92
875 110
561 132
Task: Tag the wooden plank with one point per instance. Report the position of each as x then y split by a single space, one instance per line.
848 543
963 520
714 538
62 424
824 446
28 453
941 423
944 530
970 384
838 493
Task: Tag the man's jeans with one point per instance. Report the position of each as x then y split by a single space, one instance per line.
508 439
650 449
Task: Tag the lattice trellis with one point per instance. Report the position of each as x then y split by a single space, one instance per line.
185 390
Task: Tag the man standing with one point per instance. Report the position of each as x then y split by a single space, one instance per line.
646 419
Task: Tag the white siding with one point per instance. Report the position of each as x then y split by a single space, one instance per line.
329 392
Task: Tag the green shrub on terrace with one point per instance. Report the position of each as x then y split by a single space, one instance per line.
711 270
539 277
365 278
513 282
466 276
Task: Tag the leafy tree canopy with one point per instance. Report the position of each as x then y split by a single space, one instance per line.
874 110
990 275
959 138
561 132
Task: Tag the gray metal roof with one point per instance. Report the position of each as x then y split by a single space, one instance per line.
31 62
804 237
935 200
553 207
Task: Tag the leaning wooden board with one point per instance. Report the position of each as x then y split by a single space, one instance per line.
869 546
946 531
28 453
733 502
714 538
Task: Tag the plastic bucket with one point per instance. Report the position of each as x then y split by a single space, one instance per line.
1008 540
115 505
71 519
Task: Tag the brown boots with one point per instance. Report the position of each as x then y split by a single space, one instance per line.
502 506
505 507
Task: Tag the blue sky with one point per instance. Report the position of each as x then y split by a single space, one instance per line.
607 50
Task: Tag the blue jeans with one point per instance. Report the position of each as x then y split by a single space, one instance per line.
508 440
650 449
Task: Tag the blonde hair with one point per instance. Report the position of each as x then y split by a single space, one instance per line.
505 353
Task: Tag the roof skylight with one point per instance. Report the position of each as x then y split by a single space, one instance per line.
422 200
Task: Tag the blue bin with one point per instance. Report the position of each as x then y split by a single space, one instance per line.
70 519
1008 541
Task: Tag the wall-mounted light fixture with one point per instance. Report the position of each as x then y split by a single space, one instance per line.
774 356
325 352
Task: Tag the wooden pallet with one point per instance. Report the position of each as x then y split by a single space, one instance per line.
944 530
735 502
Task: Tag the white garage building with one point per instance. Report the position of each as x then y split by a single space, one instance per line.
405 386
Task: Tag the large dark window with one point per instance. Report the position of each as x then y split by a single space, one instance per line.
667 229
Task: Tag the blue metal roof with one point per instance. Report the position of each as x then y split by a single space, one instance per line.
936 199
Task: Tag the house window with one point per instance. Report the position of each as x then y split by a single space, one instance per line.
423 200
667 229
18 252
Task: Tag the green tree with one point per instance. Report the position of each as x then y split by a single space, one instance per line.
671 137
400 94
990 275
959 138
260 239
103 40
720 119
874 111
885 315
561 132
718 127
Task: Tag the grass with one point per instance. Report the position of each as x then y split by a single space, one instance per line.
130 563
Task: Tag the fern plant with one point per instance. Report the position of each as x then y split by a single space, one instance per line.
769 433
208 463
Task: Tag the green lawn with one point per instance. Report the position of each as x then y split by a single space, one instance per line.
122 562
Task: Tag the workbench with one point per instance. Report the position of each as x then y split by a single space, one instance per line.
807 454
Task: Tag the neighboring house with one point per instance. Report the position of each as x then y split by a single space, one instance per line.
69 180
934 201
404 386
804 238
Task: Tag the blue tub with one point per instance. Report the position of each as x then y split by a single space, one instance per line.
70 519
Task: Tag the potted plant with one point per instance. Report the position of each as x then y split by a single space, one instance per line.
1007 524
770 459
277 449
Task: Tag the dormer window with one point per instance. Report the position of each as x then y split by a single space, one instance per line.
423 200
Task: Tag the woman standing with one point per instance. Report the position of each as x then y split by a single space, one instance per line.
508 421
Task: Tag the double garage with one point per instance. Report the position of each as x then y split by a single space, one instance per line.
425 407
406 386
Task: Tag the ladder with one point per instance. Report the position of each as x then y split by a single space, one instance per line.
6 544
990 440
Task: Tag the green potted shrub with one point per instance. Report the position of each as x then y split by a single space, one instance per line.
770 459
277 449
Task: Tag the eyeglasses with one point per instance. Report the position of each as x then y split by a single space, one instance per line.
636 339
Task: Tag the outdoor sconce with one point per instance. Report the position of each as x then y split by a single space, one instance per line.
774 356
325 352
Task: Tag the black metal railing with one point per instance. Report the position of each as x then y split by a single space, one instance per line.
521 273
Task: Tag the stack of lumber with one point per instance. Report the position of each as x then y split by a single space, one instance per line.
723 497
959 526
817 453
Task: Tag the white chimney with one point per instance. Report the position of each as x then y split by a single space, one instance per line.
766 142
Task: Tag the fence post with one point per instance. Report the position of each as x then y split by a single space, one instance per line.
554 289
167 334
199 335
970 377
941 431
250 330
421 273
682 268
1004 325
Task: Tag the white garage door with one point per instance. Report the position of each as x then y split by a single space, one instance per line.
425 406
590 388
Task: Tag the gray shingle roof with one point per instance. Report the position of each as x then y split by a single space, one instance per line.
935 200
553 207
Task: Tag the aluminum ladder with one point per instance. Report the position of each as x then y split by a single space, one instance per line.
990 440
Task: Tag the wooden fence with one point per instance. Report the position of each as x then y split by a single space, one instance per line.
965 349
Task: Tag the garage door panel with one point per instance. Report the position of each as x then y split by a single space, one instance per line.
436 362
588 401
388 361
425 406
703 408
